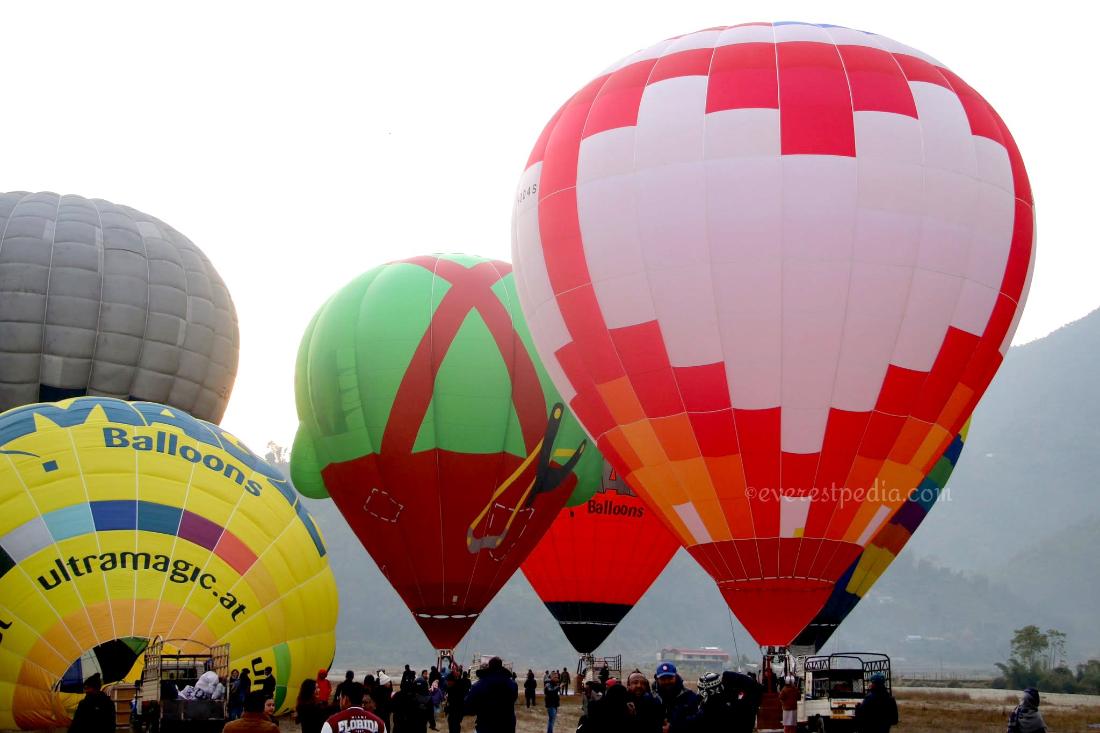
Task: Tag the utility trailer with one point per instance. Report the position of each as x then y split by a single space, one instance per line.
832 685
170 666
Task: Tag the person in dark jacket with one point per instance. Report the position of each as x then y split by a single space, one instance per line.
492 699
268 685
642 706
610 714
437 693
733 706
878 711
310 711
457 687
680 705
382 695
424 700
1026 718
238 691
551 697
629 709
234 712
95 713
590 693
408 717
349 677
529 686
751 695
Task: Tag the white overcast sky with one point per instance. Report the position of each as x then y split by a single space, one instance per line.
299 144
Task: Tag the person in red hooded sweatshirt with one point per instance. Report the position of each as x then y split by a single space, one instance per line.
324 687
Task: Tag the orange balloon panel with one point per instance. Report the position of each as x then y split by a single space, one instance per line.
597 559
772 268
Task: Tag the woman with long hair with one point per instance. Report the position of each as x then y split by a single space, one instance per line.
311 712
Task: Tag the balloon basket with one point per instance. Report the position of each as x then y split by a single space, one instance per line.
444 659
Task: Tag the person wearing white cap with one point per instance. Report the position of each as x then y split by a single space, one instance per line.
788 700
381 694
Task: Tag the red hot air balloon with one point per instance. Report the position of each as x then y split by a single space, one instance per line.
772 268
597 560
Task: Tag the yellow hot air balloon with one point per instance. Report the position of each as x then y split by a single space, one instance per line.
124 521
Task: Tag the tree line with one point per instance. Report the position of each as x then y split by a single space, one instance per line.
1038 659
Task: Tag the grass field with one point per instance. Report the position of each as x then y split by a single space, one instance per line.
986 711
921 711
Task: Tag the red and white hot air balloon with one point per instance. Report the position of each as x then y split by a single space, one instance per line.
772 268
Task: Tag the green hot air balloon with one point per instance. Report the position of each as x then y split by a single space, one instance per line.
427 416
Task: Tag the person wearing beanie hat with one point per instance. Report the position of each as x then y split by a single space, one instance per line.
732 702
383 696
878 711
95 713
1026 718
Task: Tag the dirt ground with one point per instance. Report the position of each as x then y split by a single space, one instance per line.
922 710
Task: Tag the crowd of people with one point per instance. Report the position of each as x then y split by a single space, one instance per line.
728 702
411 703
416 703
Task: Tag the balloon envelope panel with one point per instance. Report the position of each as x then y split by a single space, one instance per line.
597 559
426 416
123 521
97 298
772 264
882 550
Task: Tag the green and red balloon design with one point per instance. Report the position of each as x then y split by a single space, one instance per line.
427 417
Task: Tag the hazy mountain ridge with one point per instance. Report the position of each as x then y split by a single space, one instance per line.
1029 468
1008 546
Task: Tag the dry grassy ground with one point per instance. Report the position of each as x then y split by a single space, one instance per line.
921 711
986 711
947 711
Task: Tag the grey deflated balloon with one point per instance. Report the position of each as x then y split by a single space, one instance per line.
101 299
